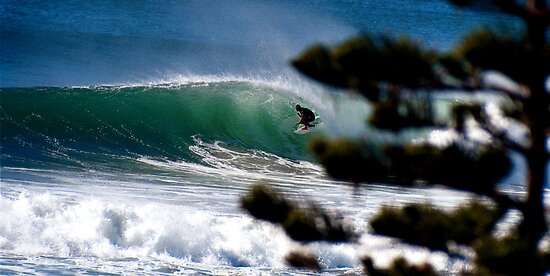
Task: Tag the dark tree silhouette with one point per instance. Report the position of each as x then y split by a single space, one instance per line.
399 79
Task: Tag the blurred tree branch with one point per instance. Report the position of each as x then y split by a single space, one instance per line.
400 80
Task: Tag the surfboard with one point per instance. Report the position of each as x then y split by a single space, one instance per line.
302 130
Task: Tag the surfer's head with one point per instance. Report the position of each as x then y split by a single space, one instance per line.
298 107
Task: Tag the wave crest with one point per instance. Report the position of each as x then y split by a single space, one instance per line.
69 126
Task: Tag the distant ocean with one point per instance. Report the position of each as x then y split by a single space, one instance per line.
129 130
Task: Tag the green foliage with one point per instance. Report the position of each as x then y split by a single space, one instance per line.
473 221
318 63
362 63
396 114
400 61
405 63
301 259
510 56
425 225
511 255
461 113
472 169
399 267
348 160
264 203
417 224
457 68
300 224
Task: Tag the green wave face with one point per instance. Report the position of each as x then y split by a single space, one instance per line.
69 126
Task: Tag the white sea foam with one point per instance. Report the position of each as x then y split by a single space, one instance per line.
187 217
168 236
44 225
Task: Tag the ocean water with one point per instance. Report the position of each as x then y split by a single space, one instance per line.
129 130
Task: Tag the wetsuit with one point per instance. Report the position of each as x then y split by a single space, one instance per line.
307 115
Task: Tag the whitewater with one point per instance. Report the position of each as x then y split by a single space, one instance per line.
146 179
128 133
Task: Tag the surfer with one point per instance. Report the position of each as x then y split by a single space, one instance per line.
306 117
